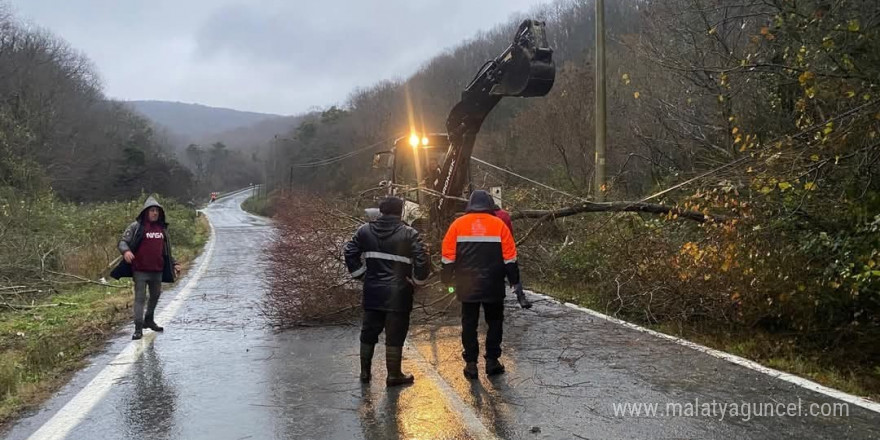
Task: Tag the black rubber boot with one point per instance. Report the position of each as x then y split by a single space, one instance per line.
470 370
150 324
366 361
494 367
393 359
138 332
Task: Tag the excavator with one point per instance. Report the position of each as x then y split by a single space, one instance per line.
431 171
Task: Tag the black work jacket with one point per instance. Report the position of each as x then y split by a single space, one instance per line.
390 258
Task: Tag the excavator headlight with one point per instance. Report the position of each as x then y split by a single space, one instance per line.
425 141
414 141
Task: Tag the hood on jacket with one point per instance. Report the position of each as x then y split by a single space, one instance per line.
385 225
149 203
480 201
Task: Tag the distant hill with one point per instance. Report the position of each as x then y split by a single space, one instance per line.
196 121
254 135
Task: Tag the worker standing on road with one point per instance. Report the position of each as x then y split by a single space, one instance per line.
146 257
504 216
478 253
394 263
517 289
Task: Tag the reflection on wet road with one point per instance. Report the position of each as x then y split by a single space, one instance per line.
219 372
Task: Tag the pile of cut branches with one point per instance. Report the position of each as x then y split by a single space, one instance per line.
308 283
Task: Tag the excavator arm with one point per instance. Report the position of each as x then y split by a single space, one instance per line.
524 69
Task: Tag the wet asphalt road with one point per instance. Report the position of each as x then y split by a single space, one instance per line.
217 372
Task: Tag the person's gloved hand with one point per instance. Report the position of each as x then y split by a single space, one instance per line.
521 297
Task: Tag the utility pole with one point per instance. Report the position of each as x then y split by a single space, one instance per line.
600 100
275 163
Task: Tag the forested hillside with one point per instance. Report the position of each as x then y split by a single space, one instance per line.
74 170
58 131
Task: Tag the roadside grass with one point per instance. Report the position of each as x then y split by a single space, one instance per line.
258 205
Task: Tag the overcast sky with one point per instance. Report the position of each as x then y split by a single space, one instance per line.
260 55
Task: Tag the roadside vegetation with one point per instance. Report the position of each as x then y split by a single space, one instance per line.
75 169
57 303
261 205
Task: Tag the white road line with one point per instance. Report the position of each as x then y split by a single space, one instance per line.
470 419
78 408
781 375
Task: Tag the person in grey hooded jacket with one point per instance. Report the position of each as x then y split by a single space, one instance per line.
147 258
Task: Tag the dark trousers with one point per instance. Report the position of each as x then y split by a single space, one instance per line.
470 319
395 324
142 280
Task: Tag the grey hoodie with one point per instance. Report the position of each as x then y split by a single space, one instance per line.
134 233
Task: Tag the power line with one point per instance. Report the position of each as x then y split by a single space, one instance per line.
332 160
476 159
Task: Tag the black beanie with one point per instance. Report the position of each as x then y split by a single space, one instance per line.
391 206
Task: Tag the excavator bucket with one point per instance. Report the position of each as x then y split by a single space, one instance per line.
527 65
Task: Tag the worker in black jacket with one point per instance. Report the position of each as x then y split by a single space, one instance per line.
394 263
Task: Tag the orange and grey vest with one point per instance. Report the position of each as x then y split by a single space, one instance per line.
478 253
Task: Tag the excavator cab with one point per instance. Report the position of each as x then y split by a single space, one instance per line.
411 165
417 158
412 161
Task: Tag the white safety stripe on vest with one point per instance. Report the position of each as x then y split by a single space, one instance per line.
510 261
445 260
478 239
419 282
359 272
384 256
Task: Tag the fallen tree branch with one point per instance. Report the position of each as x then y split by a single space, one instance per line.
84 280
432 303
112 263
534 227
336 312
343 216
20 292
36 306
448 297
311 233
651 208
